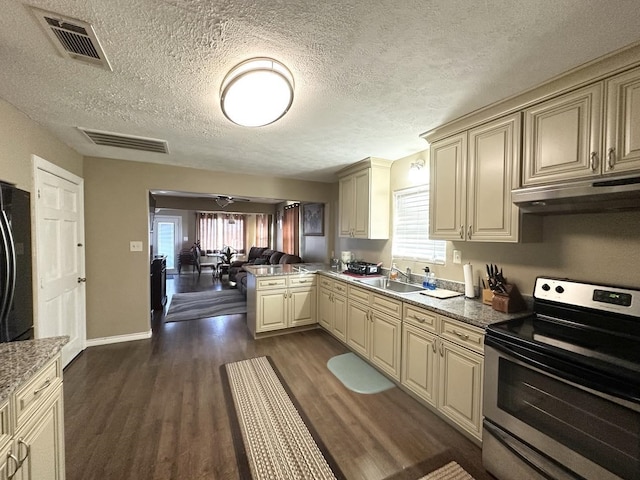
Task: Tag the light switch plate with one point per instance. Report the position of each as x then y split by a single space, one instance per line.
457 256
135 246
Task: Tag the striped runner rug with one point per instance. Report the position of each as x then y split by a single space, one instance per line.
451 471
211 303
275 441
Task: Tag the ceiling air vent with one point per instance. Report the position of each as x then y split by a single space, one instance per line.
73 38
109 139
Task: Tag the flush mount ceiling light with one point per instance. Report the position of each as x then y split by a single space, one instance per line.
256 92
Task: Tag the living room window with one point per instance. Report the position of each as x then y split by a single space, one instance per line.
216 231
411 227
291 229
263 230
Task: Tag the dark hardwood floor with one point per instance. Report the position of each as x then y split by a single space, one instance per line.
155 409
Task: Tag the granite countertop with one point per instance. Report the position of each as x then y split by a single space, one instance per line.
19 361
468 310
286 269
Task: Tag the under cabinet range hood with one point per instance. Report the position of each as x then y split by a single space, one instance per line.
587 196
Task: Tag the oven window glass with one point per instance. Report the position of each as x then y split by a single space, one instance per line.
603 431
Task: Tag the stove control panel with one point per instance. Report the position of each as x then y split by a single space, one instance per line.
606 298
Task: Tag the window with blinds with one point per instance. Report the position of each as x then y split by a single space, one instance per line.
411 227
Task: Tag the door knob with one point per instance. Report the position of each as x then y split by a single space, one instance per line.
81 279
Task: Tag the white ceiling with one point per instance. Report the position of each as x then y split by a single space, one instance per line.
370 75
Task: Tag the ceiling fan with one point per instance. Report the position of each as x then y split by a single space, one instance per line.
224 200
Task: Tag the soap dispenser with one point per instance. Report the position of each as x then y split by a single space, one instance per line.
425 280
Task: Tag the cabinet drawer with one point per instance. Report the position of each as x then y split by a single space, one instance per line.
463 334
340 287
302 280
420 318
5 423
28 397
271 282
359 294
387 305
326 282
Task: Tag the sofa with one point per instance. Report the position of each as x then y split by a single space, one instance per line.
258 256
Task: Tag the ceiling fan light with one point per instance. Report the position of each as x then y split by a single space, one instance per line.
257 92
222 202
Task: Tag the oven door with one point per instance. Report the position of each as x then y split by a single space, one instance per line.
567 428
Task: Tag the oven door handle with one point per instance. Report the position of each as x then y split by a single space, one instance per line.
576 374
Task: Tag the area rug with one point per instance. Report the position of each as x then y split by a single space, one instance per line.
212 303
272 438
451 471
358 375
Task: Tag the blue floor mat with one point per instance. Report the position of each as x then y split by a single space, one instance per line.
358 375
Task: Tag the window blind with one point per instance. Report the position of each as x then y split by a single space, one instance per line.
411 227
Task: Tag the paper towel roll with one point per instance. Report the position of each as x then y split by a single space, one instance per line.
469 291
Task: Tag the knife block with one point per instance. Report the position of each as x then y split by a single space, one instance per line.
509 302
487 296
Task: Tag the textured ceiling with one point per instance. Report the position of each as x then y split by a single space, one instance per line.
370 75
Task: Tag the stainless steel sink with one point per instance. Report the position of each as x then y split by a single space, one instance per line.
390 285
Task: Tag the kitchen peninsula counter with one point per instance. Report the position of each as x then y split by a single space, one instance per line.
19 361
286 269
468 310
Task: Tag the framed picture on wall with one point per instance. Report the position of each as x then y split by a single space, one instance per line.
313 219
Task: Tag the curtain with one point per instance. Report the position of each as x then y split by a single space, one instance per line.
215 231
263 230
291 229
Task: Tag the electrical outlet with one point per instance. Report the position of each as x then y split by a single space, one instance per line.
457 256
135 246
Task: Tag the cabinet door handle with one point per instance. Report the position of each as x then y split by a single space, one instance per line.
46 383
272 283
420 319
611 157
469 232
463 336
27 447
433 345
441 351
11 456
302 281
462 232
594 161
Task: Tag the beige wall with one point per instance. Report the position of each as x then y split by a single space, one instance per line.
20 137
601 247
116 211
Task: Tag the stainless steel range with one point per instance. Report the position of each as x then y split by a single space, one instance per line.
562 387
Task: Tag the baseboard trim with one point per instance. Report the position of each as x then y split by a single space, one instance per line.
93 342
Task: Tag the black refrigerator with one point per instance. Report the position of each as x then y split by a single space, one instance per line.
16 296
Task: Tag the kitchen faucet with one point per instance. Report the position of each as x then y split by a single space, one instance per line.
405 275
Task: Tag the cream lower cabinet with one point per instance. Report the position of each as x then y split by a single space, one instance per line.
281 302
33 446
332 307
374 329
460 386
442 363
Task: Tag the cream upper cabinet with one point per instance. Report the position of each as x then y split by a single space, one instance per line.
448 160
586 133
364 198
472 175
622 138
562 139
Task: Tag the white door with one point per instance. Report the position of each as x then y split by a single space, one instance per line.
167 233
59 234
